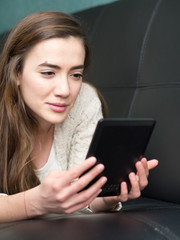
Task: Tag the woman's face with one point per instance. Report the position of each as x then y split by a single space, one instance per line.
51 78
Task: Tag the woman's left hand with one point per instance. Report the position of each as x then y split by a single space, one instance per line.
138 182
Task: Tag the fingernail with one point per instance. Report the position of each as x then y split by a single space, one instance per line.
133 176
139 164
92 159
100 167
104 180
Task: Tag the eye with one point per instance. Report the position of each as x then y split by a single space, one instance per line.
77 76
47 73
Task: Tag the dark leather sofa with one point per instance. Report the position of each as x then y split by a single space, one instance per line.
136 66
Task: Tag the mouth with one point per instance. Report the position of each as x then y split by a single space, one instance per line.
58 107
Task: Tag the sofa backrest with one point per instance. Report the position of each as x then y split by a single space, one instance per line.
136 58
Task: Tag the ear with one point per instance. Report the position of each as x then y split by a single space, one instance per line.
18 79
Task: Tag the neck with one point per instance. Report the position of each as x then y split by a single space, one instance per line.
44 134
45 130
42 146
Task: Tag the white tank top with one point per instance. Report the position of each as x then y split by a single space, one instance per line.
51 164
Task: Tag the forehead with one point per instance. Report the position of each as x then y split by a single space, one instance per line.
57 49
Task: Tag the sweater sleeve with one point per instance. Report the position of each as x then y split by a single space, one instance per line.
89 110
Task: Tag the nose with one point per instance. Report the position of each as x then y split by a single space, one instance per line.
62 88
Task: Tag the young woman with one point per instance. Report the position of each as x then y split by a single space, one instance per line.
47 118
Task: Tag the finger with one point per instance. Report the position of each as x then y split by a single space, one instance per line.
124 192
78 170
66 177
145 165
67 199
142 174
74 173
85 179
81 205
135 190
152 163
84 195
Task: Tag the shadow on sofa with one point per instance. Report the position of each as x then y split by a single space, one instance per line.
136 57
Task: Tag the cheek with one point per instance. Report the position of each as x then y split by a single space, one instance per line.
32 93
32 85
28 89
75 90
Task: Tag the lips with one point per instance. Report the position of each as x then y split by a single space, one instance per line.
58 107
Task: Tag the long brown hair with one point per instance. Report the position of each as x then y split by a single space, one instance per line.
18 126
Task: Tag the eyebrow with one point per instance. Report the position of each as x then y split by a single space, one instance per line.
57 67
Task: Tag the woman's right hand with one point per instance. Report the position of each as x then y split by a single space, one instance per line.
59 193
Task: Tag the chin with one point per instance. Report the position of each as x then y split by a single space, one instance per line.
57 121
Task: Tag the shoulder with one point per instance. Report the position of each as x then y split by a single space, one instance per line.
87 98
88 92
